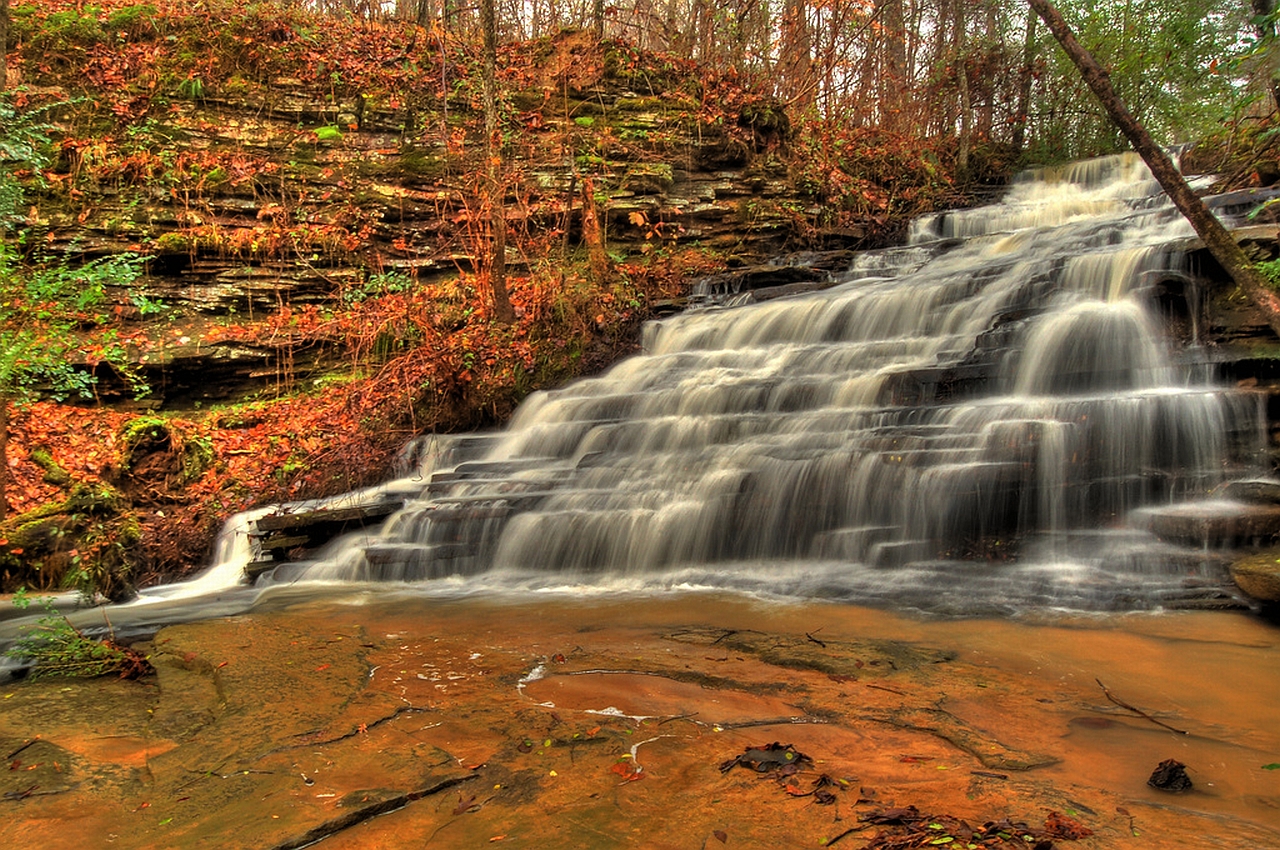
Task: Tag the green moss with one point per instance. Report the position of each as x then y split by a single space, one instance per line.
172 243
142 436
197 457
132 18
94 499
53 473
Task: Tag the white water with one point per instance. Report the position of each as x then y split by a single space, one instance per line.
1003 385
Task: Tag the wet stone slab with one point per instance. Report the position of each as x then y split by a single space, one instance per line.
420 724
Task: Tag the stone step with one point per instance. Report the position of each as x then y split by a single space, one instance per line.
1211 522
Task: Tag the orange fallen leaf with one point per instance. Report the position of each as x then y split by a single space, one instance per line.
323 667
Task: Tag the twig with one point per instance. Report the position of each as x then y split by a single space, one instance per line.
850 831
23 747
677 717
889 689
815 640
1135 710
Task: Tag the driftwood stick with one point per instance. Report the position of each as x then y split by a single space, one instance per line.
1127 707
23 747
850 831
889 689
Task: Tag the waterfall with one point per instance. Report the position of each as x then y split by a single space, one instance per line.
960 423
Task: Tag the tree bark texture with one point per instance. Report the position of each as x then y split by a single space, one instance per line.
1215 236
1024 84
1266 29
4 43
962 83
4 458
502 310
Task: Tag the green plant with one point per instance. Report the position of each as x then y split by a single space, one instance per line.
192 88
1271 271
52 314
24 147
56 648
376 285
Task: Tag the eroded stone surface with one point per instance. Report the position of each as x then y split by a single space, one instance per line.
430 724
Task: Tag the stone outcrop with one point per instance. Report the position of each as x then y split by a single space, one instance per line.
258 196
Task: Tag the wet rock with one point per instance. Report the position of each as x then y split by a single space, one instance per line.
1170 775
1259 575
1213 522
1254 490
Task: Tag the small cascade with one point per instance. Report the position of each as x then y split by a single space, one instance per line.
963 423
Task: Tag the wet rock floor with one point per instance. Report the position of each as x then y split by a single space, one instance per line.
404 722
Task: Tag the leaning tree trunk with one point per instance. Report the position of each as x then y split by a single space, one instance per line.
1216 238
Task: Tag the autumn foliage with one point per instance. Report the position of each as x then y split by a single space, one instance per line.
333 164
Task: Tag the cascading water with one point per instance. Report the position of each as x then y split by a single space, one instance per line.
960 424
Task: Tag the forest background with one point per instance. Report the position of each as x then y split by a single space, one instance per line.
249 250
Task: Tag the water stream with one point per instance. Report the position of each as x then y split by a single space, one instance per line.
963 424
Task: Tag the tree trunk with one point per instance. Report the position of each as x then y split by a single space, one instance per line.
796 58
1266 29
593 233
597 19
962 81
1024 85
893 72
502 310
4 458
4 43
1220 243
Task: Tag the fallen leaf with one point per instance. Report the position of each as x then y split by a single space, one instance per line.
721 836
323 667
1058 825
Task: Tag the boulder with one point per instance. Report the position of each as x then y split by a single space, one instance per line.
1259 575
1212 522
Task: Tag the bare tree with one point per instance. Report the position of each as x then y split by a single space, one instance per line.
502 309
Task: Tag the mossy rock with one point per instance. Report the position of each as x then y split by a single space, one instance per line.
54 474
153 448
766 117
83 541
1259 575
